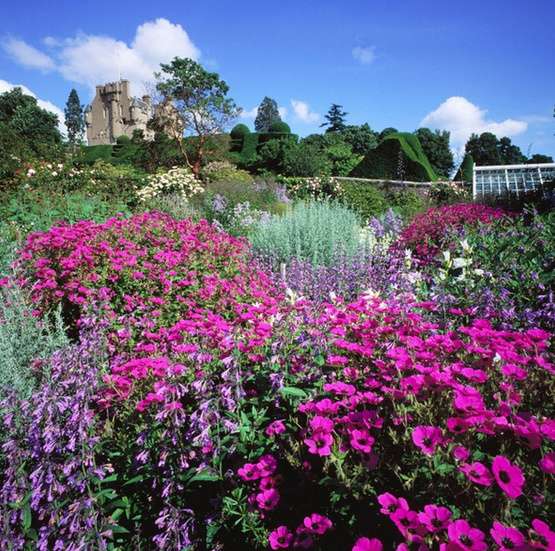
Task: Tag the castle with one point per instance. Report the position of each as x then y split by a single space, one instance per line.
113 113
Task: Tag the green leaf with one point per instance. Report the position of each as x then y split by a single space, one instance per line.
27 517
293 391
133 480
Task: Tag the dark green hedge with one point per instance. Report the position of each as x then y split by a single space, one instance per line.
400 148
465 172
92 153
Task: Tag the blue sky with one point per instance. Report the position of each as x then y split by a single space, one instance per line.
463 66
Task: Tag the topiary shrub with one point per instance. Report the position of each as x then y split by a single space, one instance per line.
466 170
398 157
237 135
248 151
280 127
365 199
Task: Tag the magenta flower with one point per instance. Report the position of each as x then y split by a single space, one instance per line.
427 438
465 537
478 473
317 524
509 477
390 503
547 463
267 464
435 518
275 427
319 443
361 440
366 544
406 521
541 535
280 538
460 453
506 537
268 499
249 472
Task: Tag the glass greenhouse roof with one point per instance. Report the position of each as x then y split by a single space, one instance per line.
517 179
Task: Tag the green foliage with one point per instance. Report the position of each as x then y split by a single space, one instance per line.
406 202
466 169
538 158
24 342
92 153
335 119
361 138
162 152
486 149
313 231
436 148
74 119
26 132
223 171
386 132
247 155
37 209
279 127
448 193
267 115
398 157
365 199
304 159
237 135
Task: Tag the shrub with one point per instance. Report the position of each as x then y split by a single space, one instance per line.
503 271
26 342
406 202
447 193
465 173
239 131
431 231
280 127
399 156
249 149
223 171
312 231
180 181
365 199
92 153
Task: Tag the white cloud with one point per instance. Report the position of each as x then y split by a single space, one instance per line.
303 113
95 59
462 118
6 86
251 113
364 54
27 55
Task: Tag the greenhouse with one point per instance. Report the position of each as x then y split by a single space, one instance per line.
514 179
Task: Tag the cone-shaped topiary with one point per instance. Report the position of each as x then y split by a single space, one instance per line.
280 127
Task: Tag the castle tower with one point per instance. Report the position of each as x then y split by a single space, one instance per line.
113 113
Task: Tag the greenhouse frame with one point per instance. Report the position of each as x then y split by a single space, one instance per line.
515 179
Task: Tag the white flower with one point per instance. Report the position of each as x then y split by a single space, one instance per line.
31 172
447 256
461 262
479 272
465 246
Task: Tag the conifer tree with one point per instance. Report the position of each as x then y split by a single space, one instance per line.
74 119
266 115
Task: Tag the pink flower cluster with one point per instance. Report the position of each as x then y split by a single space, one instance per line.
306 534
427 233
434 527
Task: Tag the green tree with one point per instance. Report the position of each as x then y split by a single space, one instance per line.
335 119
26 131
361 138
267 115
483 149
201 104
74 120
510 154
436 147
538 158
305 159
386 132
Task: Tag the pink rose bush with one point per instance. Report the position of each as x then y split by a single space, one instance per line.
229 416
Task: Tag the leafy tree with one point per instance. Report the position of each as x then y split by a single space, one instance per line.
538 158
305 159
510 154
267 114
436 147
486 149
74 120
26 131
337 152
202 107
361 138
483 149
386 132
335 118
